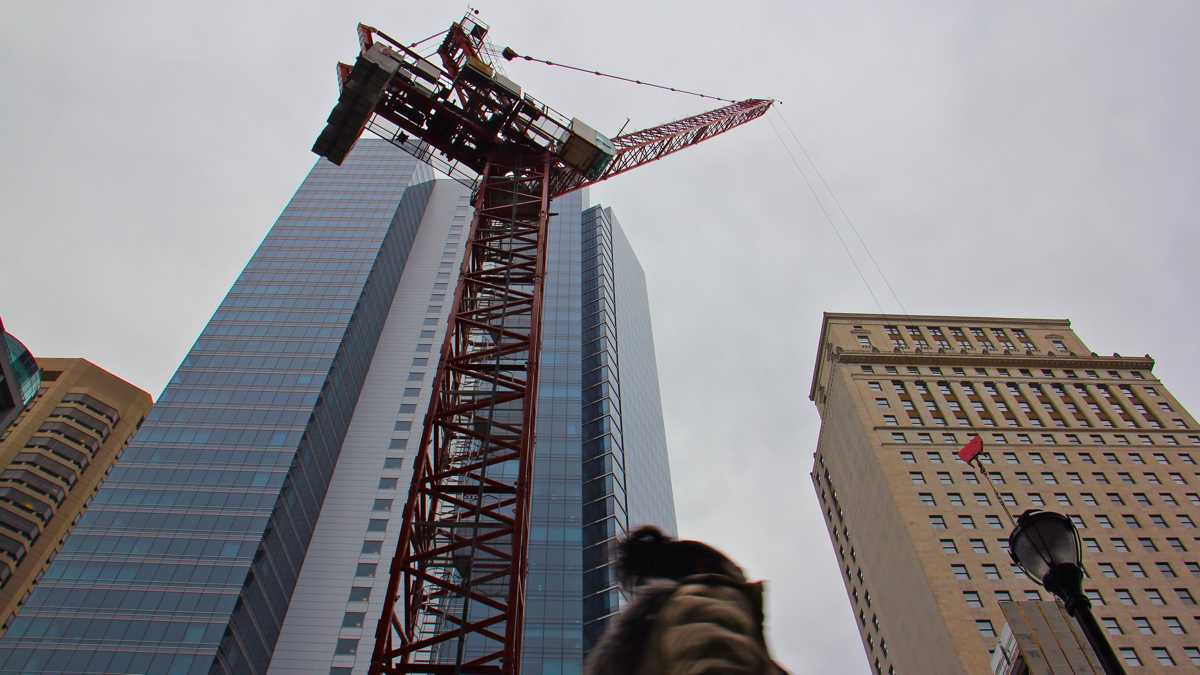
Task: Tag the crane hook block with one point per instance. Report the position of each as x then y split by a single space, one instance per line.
509 54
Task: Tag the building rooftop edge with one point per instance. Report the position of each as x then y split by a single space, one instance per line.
826 317
47 361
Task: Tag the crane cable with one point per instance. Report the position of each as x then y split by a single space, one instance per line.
846 216
825 211
510 54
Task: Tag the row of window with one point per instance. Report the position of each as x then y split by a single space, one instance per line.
353 617
1034 457
957 371
1050 478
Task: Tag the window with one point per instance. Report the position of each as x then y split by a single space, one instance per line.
1091 545
972 599
1119 545
916 477
935 457
412 391
360 593
1104 521
1111 626
955 498
908 457
346 647
960 572
1108 570
1129 656
388 483
993 522
372 548
365 570
382 505
1131 521
1185 596
1094 596
377 525
985 629
938 523
1162 656
1033 595
1193 654
898 437
1089 499
353 619
1137 570
948 546
1147 544
1143 625
1165 569
991 572
1174 625
945 478
1176 544
1125 597
1003 596
979 546
967 522
982 498
927 499
393 462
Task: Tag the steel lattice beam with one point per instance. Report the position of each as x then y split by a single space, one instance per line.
648 145
456 590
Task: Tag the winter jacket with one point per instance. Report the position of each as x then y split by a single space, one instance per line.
706 623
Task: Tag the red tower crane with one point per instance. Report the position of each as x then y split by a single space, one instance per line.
456 591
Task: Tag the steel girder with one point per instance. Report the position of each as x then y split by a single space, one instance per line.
456 590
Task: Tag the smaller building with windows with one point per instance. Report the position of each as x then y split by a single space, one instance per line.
53 457
921 538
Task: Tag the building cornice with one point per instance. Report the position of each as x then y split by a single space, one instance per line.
998 359
946 318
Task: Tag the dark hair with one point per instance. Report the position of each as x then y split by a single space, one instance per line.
647 553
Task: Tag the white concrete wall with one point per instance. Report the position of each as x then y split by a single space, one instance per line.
313 624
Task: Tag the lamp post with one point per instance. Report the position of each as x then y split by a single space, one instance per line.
1047 547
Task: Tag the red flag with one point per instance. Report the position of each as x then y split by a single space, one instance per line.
971 450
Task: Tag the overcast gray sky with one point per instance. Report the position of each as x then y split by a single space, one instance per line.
1019 159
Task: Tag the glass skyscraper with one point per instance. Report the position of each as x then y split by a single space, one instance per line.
249 526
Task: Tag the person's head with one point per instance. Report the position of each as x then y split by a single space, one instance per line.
647 554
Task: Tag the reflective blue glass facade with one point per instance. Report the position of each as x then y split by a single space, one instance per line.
601 465
186 559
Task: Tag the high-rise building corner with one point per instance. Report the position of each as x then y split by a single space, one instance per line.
921 540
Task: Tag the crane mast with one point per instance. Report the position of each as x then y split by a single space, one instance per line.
456 587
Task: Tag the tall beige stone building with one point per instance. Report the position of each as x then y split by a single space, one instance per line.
922 541
52 460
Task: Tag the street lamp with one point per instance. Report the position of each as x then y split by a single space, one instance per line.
1047 547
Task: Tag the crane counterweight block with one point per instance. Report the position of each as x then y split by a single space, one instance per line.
360 94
